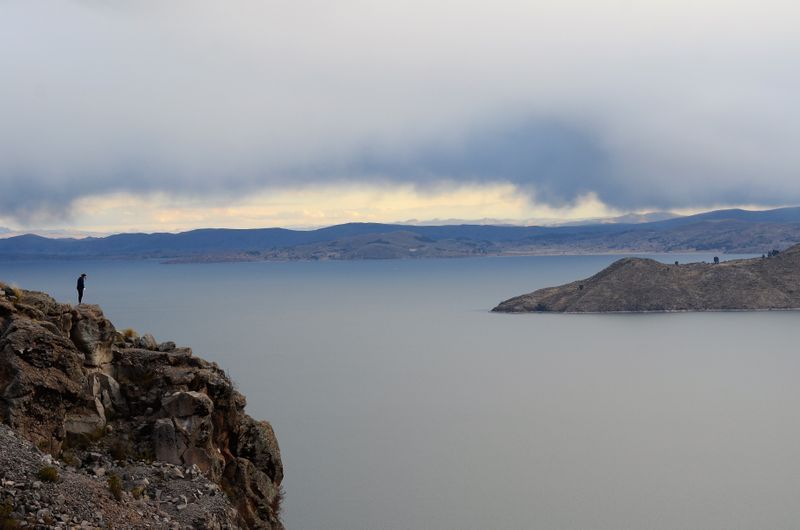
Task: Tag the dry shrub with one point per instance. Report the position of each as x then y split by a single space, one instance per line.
6 522
120 450
115 486
275 505
48 474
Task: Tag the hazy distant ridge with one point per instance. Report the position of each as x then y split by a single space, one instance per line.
722 230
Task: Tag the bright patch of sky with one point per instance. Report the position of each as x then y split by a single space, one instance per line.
317 206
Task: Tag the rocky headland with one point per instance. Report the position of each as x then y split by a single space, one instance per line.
641 285
106 429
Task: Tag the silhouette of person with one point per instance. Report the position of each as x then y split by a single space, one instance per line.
81 287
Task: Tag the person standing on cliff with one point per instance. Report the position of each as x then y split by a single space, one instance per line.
81 287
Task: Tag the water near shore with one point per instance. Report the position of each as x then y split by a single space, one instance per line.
401 402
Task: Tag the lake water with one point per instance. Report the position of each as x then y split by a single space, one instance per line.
400 402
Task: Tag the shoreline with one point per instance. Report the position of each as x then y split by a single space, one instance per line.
201 260
647 312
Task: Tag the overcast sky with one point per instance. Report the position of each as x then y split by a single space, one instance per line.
303 112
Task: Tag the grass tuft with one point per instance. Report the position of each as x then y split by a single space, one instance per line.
130 333
11 292
277 501
48 474
115 486
6 522
120 450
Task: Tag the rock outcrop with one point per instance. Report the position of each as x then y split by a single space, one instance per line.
71 383
639 285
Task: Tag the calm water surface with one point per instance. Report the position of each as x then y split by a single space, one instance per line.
400 402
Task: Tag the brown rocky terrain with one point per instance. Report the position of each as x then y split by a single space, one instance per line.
637 285
92 402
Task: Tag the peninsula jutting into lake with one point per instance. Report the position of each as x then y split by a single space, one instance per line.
640 285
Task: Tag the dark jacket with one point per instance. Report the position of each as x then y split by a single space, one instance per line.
81 284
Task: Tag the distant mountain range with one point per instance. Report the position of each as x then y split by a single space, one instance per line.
725 231
75 234
627 218
630 218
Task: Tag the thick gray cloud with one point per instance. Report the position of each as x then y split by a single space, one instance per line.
552 160
649 104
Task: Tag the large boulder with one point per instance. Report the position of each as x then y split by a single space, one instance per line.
107 390
257 443
168 447
184 404
89 421
41 345
190 413
147 342
93 334
41 378
256 496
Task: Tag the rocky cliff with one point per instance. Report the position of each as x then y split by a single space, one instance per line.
92 398
635 284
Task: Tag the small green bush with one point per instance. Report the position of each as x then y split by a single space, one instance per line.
48 474
115 486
